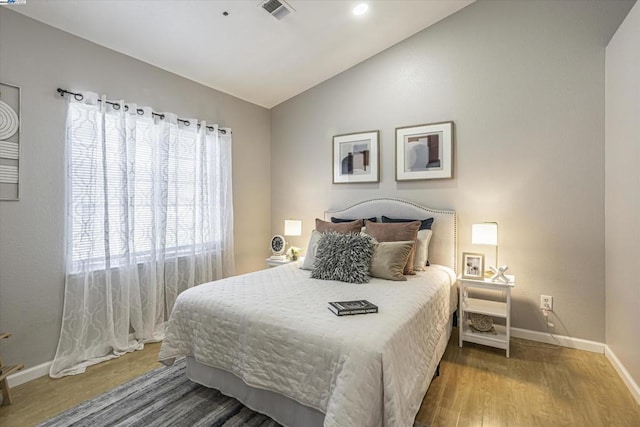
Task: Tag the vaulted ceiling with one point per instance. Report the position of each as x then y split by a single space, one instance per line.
236 46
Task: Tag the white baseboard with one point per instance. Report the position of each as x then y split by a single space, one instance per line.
624 374
37 371
29 374
564 341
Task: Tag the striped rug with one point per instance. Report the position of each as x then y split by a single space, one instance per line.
162 397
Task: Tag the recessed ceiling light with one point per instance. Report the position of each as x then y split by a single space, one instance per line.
360 9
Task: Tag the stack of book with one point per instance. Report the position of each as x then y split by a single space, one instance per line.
344 308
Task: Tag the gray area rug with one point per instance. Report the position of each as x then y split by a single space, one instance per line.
162 397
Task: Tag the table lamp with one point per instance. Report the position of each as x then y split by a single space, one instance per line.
293 227
487 234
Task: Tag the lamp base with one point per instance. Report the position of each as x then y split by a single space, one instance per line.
278 257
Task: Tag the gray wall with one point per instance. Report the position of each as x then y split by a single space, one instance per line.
622 193
40 58
524 84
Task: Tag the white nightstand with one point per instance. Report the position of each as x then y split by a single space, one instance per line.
276 262
500 309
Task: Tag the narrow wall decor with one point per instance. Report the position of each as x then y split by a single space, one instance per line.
9 142
424 152
356 158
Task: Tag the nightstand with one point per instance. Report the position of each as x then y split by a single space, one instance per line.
477 304
276 262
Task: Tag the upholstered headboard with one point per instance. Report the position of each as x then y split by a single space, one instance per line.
443 246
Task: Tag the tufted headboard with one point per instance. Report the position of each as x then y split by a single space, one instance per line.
443 245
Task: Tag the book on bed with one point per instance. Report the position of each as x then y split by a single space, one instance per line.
344 308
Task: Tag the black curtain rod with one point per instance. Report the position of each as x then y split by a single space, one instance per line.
140 111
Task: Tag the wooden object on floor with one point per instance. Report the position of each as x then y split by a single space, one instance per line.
5 371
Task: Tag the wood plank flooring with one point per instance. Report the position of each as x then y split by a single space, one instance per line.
45 397
538 386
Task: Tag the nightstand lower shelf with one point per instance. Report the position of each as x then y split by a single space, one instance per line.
499 340
482 306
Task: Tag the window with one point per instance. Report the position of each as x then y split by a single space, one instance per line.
140 188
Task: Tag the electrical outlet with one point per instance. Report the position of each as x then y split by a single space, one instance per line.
546 302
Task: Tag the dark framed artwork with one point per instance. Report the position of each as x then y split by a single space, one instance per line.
356 157
424 152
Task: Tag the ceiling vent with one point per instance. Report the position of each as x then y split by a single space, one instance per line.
277 8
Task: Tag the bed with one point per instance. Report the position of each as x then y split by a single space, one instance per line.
268 339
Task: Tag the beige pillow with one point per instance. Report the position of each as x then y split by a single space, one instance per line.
389 259
310 254
422 250
396 232
340 227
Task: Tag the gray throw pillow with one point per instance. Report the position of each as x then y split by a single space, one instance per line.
343 257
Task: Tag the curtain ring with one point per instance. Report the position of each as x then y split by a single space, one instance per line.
78 96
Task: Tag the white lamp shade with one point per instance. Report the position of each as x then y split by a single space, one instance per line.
484 234
292 227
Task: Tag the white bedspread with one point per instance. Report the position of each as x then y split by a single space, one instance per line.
272 329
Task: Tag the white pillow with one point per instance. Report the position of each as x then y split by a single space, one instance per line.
422 250
310 255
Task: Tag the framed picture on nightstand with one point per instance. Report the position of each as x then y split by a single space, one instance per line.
472 266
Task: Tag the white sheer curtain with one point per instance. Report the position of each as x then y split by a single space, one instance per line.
149 214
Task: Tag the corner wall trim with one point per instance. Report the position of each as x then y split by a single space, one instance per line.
624 374
29 374
570 342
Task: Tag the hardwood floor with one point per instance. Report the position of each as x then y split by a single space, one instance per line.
538 386
45 397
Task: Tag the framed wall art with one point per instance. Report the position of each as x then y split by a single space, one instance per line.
424 152
356 157
472 266
9 142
